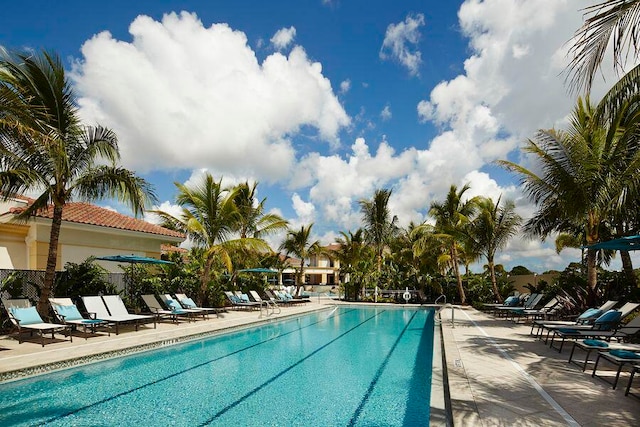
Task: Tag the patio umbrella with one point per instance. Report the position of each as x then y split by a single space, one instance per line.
132 259
258 270
628 243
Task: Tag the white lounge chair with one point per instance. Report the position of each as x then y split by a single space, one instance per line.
115 313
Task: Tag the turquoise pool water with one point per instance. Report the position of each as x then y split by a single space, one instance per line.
347 366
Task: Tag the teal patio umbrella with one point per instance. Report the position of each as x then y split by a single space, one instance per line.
132 259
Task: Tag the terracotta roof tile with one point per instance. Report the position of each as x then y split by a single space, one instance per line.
85 213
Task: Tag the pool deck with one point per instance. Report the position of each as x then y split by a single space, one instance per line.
498 374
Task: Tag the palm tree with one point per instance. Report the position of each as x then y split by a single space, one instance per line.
491 230
351 251
379 225
589 174
46 149
209 219
452 217
252 220
613 19
299 244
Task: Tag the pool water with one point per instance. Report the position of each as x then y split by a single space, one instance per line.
345 366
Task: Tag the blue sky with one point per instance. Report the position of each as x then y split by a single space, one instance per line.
320 101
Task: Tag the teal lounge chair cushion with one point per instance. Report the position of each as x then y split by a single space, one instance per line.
244 298
608 320
235 299
590 313
568 331
188 302
625 354
511 301
26 316
92 321
69 312
174 305
595 343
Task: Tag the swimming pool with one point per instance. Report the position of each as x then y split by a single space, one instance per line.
346 366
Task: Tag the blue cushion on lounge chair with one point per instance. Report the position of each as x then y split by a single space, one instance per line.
595 343
69 312
235 299
188 302
174 305
511 301
625 354
568 331
26 316
590 313
92 321
608 320
244 298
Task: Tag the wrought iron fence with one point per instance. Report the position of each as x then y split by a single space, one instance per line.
28 283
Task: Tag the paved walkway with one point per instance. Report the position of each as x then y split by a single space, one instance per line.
499 375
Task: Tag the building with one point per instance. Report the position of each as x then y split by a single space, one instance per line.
320 270
87 230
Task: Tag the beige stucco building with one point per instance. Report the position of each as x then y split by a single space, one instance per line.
87 230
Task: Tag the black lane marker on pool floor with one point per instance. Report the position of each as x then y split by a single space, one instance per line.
284 371
378 374
172 376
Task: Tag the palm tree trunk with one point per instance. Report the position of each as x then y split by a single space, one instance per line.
627 267
494 282
301 278
204 281
52 257
592 277
456 269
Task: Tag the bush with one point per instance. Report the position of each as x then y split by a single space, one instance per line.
86 278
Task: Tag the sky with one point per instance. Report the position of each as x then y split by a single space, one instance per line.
320 101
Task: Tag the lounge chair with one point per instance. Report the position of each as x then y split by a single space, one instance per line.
619 358
550 309
26 318
67 313
529 304
268 304
587 317
277 299
608 326
174 304
156 308
187 302
239 303
286 296
590 345
112 309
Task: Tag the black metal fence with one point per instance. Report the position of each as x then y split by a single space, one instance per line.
27 283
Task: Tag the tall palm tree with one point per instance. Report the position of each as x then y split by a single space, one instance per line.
45 148
612 21
298 243
379 225
252 220
589 173
349 254
209 219
452 217
491 230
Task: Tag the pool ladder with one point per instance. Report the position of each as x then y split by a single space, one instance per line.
443 306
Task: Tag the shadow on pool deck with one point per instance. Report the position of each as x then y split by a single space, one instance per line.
493 379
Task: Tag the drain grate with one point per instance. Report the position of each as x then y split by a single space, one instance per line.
457 363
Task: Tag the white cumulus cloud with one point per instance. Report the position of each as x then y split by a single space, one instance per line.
184 96
400 41
283 37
